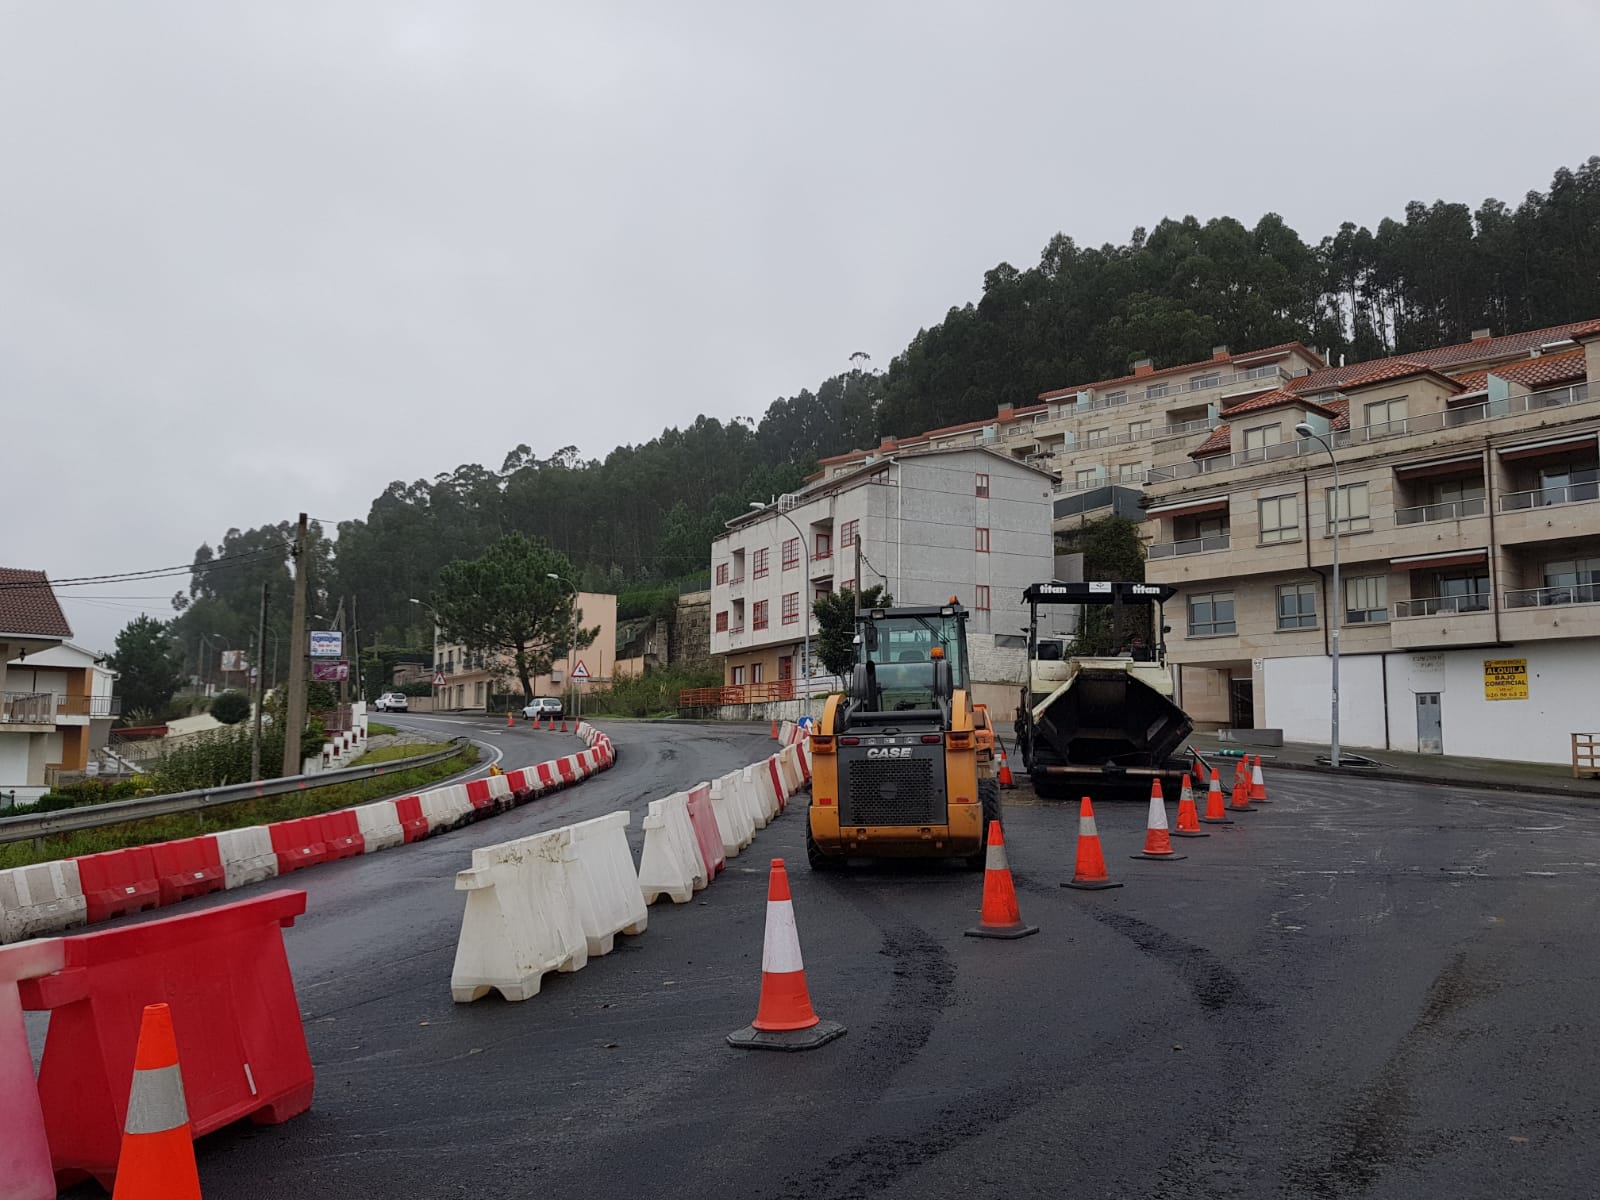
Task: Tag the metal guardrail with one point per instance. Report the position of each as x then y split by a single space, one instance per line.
117 812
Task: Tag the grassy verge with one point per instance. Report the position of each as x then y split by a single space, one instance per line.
378 729
237 815
399 750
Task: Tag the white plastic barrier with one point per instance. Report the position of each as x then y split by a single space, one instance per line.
42 898
247 856
604 882
789 768
380 825
521 920
785 733
525 780
446 807
500 791
670 865
758 785
733 820
751 798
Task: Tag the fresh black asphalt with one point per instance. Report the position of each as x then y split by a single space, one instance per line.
1368 989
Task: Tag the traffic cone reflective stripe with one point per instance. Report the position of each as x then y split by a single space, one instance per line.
157 1157
1157 839
785 1019
1188 818
1000 917
510 719
1090 873
1241 794
1215 813
1258 784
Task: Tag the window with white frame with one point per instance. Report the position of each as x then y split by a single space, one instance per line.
755 672
738 677
1210 614
1096 437
1139 429
1352 514
1385 412
1155 391
1366 600
1201 383
1130 472
1084 478
1115 398
1297 606
1263 436
1280 519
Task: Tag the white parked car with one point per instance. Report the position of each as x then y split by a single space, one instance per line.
392 702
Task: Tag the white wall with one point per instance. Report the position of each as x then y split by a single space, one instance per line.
1563 698
14 762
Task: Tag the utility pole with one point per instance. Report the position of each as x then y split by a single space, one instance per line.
355 644
295 710
260 689
344 684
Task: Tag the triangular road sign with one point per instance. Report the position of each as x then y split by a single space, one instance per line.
438 679
580 672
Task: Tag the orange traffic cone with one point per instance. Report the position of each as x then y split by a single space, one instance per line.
1241 794
1001 918
1188 816
157 1158
510 719
1258 785
563 724
785 1019
1006 780
1157 838
1091 874
1215 813
774 728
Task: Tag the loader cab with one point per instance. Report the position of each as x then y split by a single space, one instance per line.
909 659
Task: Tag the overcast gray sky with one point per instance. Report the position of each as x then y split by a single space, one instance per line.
258 258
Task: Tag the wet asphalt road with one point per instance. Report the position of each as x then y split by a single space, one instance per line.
1365 990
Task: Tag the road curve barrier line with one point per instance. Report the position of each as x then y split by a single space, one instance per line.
47 898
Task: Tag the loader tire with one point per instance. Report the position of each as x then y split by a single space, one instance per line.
815 858
989 798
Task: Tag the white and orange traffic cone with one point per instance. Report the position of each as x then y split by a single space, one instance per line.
1157 839
1241 794
1000 916
1090 873
1216 814
1188 825
157 1158
1258 784
511 719
774 728
785 1019
1006 779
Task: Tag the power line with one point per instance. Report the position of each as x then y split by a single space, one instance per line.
232 560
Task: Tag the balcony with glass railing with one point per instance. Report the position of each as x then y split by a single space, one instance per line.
1199 545
1585 486
1448 510
27 708
1545 597
1443 606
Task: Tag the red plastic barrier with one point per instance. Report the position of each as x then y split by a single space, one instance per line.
802 757
191 867
547 776
241 1045
341 834
297 844
478 793
777 782
708 839
412 823
119 881
521 783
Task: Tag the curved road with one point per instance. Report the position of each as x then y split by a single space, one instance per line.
1366 990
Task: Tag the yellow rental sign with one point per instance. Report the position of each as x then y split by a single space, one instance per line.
1505 679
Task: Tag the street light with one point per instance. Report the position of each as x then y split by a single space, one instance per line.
1305 431
577 696
434 686
805 613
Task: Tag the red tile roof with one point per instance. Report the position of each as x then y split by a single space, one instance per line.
1218 443
1388 370
28 605
1545 371
1248 356
1586 330
1273 399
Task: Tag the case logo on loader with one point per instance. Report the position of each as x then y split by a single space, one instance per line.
889 752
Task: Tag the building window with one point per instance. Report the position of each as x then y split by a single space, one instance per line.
1095 437
785 667
755 672
1261 372
791 608
848 533
1201 382
791 553
824 545
823 591
980 600
1387 412
1280 519
881 475
759 563
738 677
1132 473
722 572
1211 613
1366 600
1353 514
1297 606
1115 398
722 622
480 693
1084 478
758 616
1139 429
1157 390
1262 436
982 540
980 484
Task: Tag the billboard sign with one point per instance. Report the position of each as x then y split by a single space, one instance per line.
327 643
233 661
330 672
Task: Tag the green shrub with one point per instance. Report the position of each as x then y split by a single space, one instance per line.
231 707
654 693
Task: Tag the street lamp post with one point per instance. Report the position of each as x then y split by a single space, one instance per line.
805 611
434 696
1305 431
577 696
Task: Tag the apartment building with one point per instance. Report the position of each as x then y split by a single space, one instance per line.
472 677
958 519
1468 533
55 698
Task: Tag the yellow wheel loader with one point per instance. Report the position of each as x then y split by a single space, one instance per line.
902 764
